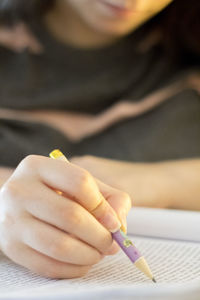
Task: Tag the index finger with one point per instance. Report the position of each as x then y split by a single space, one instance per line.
77 184
101 208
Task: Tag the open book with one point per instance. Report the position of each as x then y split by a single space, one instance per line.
170 242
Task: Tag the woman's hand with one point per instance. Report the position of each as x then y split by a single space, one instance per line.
58 236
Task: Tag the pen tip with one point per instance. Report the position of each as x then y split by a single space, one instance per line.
153 279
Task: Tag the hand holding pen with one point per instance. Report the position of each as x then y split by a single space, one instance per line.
54 235
118 235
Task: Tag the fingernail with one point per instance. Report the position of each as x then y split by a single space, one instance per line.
123 220
124 228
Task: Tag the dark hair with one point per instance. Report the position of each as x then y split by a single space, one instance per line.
12 11
179 22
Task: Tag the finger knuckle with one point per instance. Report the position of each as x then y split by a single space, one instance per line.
84 180
10 191
127 199
60 249
74 218
30 161
70 216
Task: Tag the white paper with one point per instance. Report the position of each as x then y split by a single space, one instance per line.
165 223
175 265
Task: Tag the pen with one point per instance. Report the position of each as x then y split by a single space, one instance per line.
119 236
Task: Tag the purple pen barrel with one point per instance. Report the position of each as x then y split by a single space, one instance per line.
126 245
132 252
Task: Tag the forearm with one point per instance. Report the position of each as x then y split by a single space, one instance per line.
183 184
5 173
172 184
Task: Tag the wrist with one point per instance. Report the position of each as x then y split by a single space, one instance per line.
182 187
147 184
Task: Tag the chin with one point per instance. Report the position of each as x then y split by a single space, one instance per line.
113 29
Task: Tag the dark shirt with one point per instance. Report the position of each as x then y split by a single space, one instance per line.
90 81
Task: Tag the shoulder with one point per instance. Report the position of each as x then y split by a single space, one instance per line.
18 38
15 44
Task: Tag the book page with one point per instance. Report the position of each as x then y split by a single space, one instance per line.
172 262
